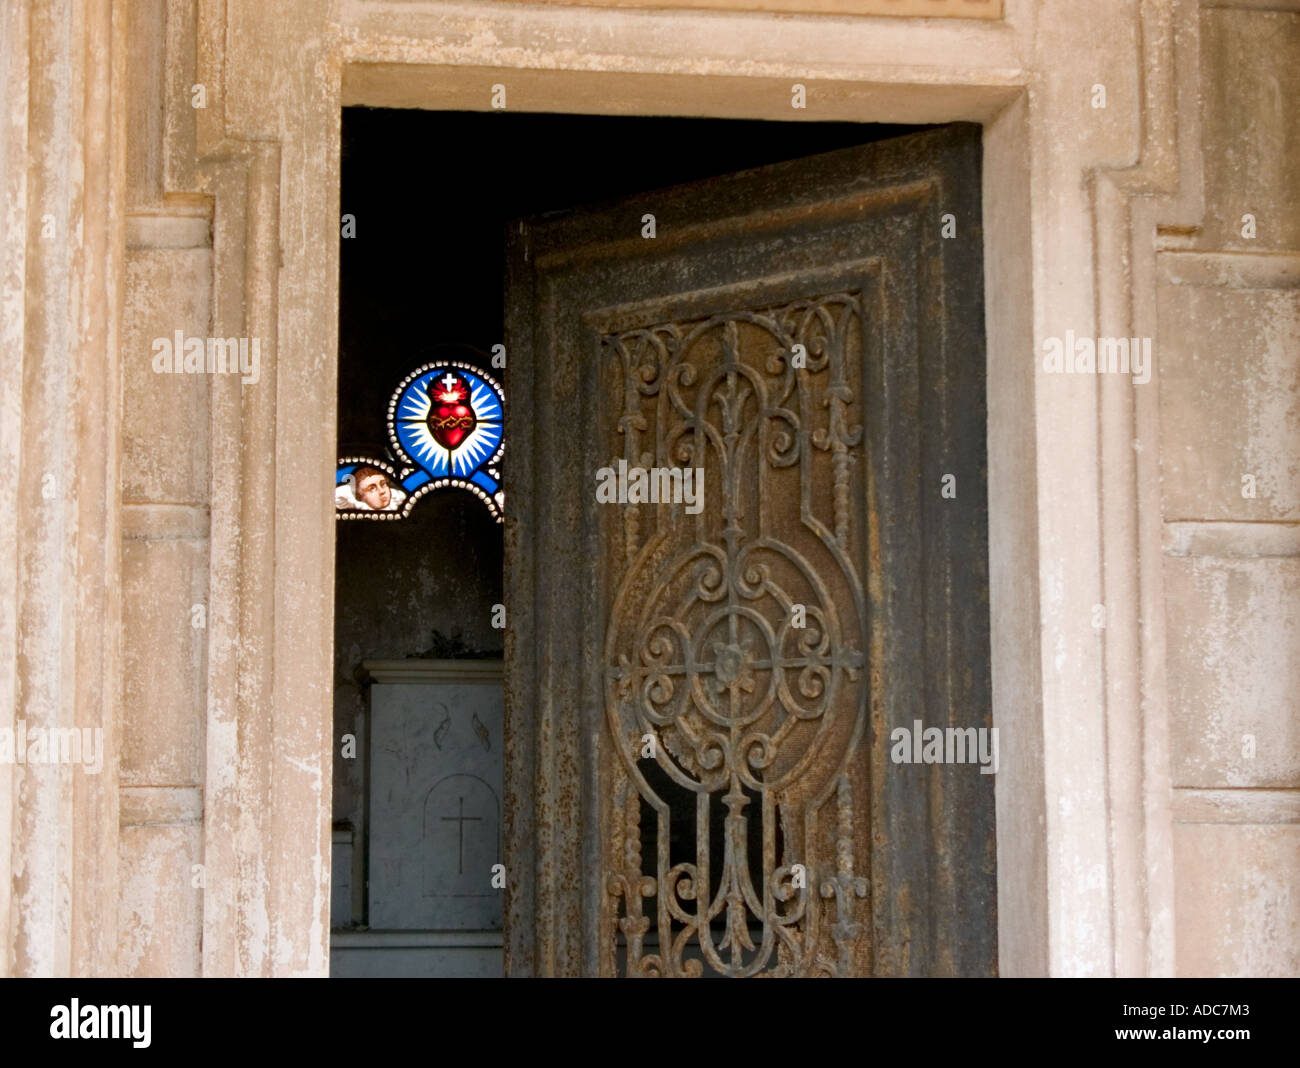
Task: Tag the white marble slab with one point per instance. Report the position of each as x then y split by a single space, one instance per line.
435 795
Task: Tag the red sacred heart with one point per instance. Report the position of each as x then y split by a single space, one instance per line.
450 419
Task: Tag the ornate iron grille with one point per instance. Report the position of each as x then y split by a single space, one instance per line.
734 684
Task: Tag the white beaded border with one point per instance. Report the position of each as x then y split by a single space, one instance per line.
414 495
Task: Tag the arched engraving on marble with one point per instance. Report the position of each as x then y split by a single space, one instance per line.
460 837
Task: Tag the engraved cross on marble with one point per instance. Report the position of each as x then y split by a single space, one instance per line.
460 820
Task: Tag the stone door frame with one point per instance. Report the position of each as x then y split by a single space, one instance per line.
1071 198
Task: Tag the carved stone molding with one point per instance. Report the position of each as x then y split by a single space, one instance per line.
62 238
958 9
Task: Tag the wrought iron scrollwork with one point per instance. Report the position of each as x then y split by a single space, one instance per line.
735 641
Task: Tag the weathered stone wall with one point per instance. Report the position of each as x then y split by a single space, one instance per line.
1136 836
1230 416
165 487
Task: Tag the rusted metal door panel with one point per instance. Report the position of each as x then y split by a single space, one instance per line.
702 692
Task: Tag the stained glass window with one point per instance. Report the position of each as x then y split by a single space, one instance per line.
445 430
